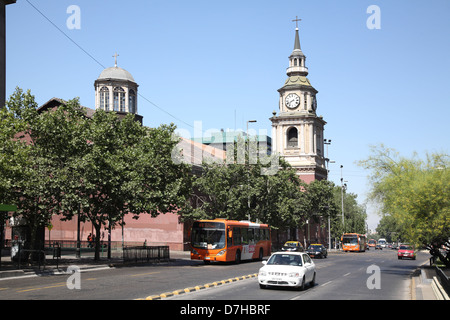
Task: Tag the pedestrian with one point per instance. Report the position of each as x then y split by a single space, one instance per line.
89 239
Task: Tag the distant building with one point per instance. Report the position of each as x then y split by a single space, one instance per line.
220 140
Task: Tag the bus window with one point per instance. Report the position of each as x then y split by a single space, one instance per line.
237 236
244 234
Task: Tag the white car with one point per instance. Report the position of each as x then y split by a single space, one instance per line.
289 269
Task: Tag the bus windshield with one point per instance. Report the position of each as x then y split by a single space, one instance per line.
350 240
208 235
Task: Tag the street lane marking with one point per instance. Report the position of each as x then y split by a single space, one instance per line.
41 288
326 283
346 274
143 274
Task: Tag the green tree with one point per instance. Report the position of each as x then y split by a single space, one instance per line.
100 168
416 193
125 169
240 191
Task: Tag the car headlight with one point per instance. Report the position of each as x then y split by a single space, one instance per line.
221 252
262 273
293 274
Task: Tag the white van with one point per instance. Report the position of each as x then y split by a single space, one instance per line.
382 242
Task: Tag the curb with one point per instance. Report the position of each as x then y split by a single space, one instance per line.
197 288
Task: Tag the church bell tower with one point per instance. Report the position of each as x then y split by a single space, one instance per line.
116 90
297 131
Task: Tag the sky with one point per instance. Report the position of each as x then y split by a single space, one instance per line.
382 76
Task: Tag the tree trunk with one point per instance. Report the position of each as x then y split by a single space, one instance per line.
97 241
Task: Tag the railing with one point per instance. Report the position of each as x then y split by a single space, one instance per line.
445 281
146 253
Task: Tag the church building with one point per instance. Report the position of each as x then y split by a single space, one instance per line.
297 131
297 135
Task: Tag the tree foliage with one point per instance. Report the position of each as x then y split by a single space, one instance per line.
100 168
240 191
416 193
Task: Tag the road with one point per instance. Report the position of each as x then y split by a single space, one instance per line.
340 276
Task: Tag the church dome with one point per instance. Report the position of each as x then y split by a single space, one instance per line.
116 73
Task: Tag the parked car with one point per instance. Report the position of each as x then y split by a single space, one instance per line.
406 251
288 269
292 246
317 250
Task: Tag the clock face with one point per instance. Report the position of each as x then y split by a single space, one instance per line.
292 100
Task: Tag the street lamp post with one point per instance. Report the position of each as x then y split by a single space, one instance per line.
328 142
248 152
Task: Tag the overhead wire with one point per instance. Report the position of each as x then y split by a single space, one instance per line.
100 64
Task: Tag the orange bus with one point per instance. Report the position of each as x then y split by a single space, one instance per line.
353 242
372 243
229 240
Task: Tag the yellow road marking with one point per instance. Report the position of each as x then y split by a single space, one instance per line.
143 274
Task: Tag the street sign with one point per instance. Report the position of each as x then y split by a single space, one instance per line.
8 207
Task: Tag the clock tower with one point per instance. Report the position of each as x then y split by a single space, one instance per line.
297 131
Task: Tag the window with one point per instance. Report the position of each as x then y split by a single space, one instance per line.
104 98
132 101
306 258
119 99
292 138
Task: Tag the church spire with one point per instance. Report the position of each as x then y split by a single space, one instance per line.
297 58
297 40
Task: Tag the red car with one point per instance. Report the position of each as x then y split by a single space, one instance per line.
406 251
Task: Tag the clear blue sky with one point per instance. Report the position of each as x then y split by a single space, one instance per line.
221 63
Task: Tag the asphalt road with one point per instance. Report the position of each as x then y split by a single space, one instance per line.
340 276
347 276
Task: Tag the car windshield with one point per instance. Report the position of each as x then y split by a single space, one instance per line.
315 247
285 259
290 244
404 247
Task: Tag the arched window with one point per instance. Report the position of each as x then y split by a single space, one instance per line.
295 62
119 99
132 101
104 98
292 138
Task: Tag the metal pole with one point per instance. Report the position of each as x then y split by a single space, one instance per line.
78 250
342 199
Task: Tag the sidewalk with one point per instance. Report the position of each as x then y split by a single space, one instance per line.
425 285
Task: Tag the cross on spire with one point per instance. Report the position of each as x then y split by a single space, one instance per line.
296 21
115 59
